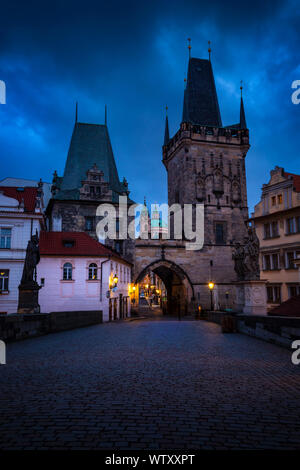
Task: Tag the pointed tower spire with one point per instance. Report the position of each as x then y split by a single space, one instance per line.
209 50
200 103
243 124
167 135
105 119
76 113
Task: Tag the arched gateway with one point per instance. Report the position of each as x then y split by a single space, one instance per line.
180 291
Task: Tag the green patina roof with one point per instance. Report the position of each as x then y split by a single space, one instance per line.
90 144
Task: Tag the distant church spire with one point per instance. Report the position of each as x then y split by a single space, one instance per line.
167 135
76 113
243 124
209 50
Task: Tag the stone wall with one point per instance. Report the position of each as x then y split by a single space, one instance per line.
277 330
16 327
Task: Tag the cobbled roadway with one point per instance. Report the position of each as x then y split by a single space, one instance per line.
149 385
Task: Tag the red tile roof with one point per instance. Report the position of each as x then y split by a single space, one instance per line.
296 180
27 193
290 308
54 243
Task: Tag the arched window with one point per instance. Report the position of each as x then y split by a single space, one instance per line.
67 272
93 271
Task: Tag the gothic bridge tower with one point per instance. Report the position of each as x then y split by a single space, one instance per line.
205 162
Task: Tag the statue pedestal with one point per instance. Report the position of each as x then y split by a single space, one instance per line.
252 297
29 298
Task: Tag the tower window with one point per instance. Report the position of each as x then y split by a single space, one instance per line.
208 198
119 246
89 223
177 197
220 233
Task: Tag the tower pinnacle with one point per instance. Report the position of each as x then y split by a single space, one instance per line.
189 47
209 50
243 124
167 135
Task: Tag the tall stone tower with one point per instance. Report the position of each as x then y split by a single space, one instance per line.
205 162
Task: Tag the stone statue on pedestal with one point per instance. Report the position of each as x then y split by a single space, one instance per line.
245 257
251 290
29 288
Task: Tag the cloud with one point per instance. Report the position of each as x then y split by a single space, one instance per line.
132 56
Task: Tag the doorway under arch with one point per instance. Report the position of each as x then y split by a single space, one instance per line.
180 291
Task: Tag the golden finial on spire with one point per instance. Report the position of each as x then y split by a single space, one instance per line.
241 88
189 47
209 49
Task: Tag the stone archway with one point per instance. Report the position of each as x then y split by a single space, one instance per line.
180 290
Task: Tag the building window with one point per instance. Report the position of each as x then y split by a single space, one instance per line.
177 197
290 225
290 257
89 223
298 224
208 198
279 198
275 261
220 233
267 230
294 290
267 262
42 281
274 227
67 272
93 271
5 237
4 274
273 294
68 243
273 199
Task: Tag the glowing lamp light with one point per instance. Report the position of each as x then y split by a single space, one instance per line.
211 285
133 288
115 279
147 285
157 291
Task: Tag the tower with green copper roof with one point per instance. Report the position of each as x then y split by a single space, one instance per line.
90 178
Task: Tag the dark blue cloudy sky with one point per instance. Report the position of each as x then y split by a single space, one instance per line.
132 55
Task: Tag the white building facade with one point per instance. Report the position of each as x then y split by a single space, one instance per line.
20 217
77 273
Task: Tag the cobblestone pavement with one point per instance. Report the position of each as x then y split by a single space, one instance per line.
149 385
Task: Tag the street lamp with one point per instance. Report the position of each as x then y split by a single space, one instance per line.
211 286
115 280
